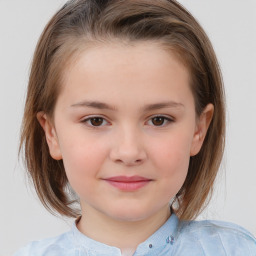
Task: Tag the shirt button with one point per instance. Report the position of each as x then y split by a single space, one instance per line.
150 246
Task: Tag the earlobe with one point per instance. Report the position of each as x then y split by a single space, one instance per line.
201 129
50 134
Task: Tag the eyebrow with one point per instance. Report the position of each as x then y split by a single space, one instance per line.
148 107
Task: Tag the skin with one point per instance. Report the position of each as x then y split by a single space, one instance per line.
127 141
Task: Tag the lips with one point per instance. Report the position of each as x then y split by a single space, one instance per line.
126 183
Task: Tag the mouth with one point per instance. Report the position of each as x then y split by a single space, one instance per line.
126 183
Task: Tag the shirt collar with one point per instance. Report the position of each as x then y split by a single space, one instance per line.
164 236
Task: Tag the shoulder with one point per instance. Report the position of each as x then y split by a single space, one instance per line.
55 246
217 236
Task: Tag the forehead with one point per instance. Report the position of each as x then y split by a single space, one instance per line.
144 69
117 56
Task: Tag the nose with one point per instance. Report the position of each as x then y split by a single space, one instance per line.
128 148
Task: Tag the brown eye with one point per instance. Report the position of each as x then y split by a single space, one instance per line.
158 120
96 121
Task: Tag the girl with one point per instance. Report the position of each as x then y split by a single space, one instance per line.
125 115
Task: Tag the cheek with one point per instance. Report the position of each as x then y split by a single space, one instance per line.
82 158
172 156
172 165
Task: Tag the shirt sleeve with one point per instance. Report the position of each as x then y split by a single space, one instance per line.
215 238
25 251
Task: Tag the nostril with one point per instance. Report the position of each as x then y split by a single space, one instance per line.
129 162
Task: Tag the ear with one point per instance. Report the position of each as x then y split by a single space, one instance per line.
202 126
50 134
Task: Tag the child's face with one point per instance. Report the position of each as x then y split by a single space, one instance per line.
126 164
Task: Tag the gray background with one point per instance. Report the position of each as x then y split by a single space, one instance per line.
230 24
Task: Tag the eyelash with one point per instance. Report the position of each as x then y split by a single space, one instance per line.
167 120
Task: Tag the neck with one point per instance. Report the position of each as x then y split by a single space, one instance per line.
107 230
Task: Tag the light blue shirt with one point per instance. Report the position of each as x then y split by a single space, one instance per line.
192 238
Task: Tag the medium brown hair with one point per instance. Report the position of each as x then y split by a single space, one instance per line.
81 23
